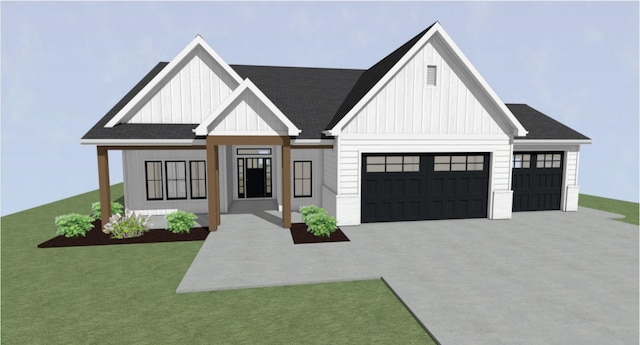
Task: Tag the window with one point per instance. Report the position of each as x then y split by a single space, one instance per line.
241 177
301 179
458 163
153 173
431 75
521 161
198 177
176 180
549 160
253 151
393 163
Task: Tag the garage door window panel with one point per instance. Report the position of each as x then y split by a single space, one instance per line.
521 161
393 164
549 160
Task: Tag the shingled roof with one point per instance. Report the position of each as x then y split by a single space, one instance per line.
541 126
314 99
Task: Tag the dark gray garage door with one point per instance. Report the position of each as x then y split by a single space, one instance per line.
537 180
411 186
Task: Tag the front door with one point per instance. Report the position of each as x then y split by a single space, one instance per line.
257 177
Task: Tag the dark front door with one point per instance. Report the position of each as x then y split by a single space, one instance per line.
410 186
256 177
537 180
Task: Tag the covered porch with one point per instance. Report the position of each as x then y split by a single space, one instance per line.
212 203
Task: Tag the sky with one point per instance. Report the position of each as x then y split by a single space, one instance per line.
65 64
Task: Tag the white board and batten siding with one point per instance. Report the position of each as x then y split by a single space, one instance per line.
135 192
192 92
407 105
316 158
248 115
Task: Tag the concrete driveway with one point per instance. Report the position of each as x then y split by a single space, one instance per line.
540 278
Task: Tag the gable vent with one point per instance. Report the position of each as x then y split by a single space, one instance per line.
431 75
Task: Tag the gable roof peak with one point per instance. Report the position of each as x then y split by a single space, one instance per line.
374 79
128 110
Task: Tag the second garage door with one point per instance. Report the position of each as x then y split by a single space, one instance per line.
397 187
537 181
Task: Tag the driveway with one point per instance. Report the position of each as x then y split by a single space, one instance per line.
540 278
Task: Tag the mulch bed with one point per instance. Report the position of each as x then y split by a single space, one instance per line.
300 235
96 237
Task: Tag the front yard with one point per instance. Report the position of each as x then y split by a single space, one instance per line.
125 294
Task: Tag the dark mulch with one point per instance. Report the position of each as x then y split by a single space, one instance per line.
300 235
96 237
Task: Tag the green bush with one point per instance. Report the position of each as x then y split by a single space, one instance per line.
180 221
116 208
309 210
321 224
129 225
73 225
318 220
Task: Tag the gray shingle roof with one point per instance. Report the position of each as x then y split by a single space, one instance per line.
541 126
314 99
309 97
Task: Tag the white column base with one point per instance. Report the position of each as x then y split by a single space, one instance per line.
502 204
571 199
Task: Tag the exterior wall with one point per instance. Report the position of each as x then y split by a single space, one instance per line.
135 193
247 115
350 172
407 105
330 179
570 187
316 158
192 93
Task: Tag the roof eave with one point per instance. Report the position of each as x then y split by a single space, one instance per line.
524 141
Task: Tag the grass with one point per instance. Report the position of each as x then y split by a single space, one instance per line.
125 294
628 209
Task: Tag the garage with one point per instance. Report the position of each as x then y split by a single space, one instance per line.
411 186
537 180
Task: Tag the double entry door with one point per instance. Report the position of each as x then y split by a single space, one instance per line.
254 177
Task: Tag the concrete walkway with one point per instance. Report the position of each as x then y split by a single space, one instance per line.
540 278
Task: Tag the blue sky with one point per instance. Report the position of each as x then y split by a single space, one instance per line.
64 65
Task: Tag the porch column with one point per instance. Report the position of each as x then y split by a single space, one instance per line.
212 184
103 185
286 182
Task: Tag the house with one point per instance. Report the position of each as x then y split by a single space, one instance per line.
419 135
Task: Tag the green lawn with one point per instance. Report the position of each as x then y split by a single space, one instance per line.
125 294
628 209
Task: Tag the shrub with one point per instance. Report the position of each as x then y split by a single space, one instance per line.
180 221
128 225
116 208
73 225
309 210
321 224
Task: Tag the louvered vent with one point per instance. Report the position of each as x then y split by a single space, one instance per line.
431 75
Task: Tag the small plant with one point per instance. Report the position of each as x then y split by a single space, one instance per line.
318 221
321 224
308 210
73 225
128 225
116 208
180 221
